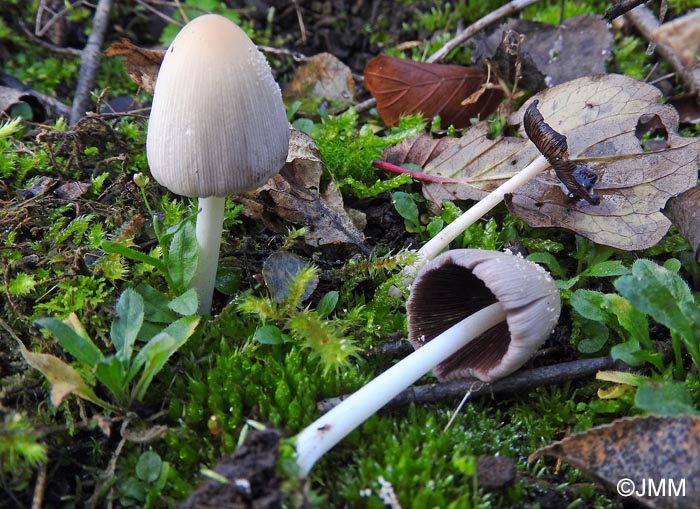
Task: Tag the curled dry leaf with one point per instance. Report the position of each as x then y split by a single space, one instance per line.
15 102
630 452
599 115
404 87
684 212
299 198
141 64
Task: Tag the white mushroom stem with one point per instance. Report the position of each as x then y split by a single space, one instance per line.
435 245
210 221
321 435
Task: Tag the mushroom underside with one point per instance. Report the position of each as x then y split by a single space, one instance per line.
455 293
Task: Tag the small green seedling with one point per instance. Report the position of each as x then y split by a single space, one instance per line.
127 373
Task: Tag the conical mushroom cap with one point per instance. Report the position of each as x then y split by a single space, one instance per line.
218 124
458 283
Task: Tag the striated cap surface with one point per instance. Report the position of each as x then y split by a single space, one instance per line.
218 125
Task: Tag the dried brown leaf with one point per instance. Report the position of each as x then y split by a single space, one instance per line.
599 115
684 212
578 47
639 449
322 79
299 198
405 87
141 64
419 149
683 36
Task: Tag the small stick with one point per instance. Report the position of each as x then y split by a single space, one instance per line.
89 60
519 381
471 30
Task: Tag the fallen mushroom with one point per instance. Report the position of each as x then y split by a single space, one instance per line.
471 313
217 127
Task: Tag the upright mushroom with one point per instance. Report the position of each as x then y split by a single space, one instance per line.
217 127
496 306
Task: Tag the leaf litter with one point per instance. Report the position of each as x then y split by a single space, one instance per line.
632 451
599 116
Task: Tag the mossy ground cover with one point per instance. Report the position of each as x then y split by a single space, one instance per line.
260 360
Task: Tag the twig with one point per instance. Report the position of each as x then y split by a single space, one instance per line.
516 382
39 489
645 21
89 60
52 47
470 31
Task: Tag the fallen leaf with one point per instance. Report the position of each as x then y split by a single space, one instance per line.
599 116
64 379
142 64
630 453
404 87
14 102
299 198
579 47
682 35
684 212
323 79
71 190
688 108
279 270
419 149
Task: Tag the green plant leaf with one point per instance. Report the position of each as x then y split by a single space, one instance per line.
405 205
606 269
182 256
132 254
148 467
157 351
589 304
669 398
64 379
594 336
125 328
111 373
662 295
269 335
327 303
155 305
185 304
78 346
630 352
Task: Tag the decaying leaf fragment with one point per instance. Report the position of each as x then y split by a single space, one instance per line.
141 64
630 453
419 149
323 79
300 199
404 87
599 117
684 212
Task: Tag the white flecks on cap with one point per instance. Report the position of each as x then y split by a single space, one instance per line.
218 125
460 282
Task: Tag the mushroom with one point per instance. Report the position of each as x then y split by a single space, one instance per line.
502 304
459 282
217 127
